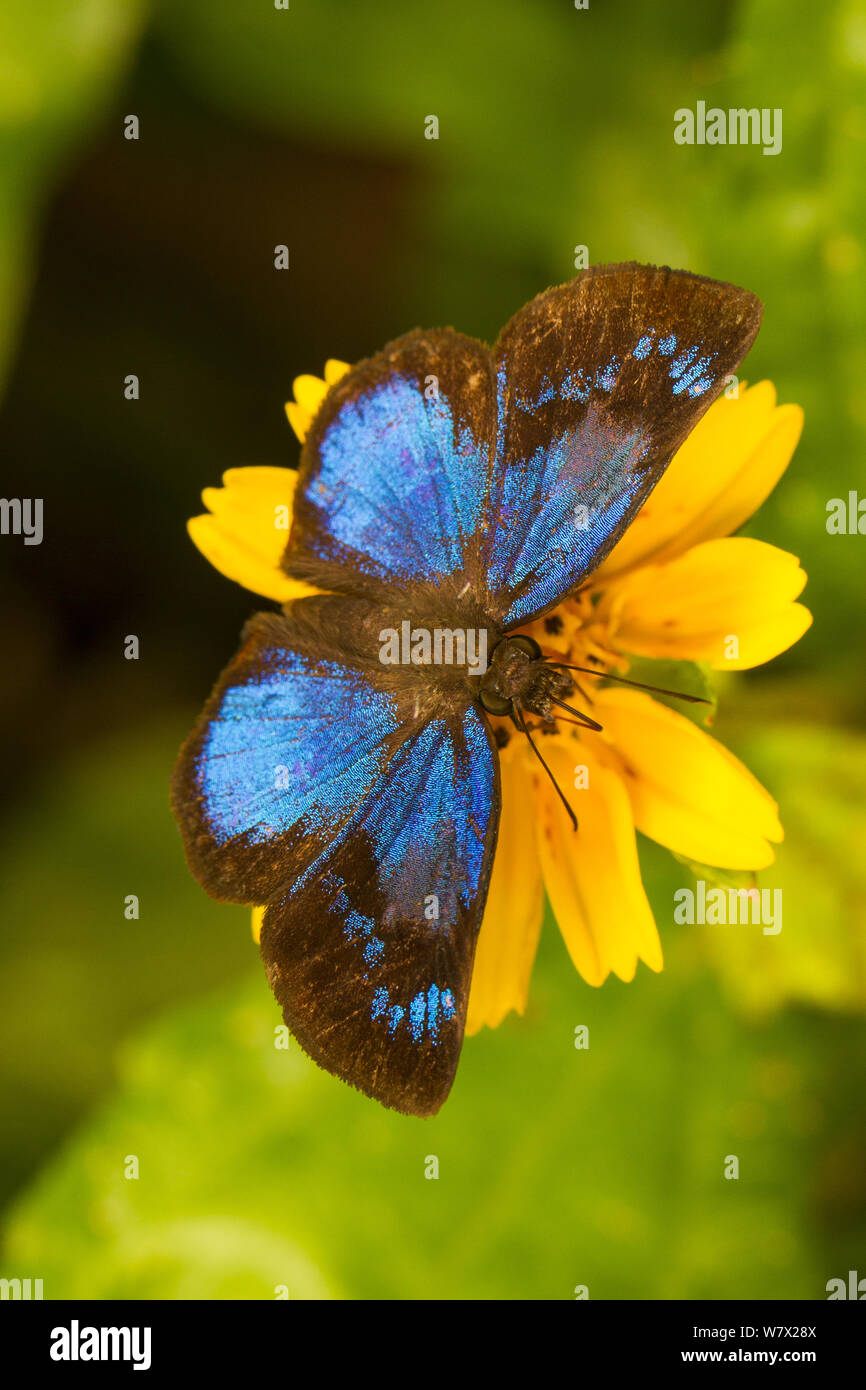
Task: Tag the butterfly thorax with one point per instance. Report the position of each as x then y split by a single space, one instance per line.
430 644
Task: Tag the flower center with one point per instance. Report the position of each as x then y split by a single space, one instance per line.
576 635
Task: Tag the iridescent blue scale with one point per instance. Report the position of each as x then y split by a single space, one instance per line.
274 757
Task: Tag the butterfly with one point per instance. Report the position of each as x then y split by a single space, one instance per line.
349 782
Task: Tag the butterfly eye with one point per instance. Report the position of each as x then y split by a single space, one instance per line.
491 699
523 644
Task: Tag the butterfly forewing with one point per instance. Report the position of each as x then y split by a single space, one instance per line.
517 469
394 474
599 382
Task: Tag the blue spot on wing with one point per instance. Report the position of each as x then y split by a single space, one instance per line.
426 1013
417 1016
374 951
605 377
380 1003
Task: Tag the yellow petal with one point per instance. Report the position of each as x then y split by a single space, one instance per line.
298 419
687 791
728 465
510 929
335 369
246 530
593 876
310 391
258 916
729 602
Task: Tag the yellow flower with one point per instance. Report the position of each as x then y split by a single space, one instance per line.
677 585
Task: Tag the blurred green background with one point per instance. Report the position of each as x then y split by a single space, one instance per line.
154 1037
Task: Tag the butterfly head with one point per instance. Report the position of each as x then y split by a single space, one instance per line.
519 677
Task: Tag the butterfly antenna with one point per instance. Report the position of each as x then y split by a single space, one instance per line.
563 719
582 719
522 726
584 694
638 685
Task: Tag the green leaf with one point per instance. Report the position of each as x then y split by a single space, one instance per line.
61 61
819 955
556 1166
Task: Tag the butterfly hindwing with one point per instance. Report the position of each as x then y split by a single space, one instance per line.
370 953
298 730
313 783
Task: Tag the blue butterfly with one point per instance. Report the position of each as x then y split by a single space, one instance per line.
344 772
